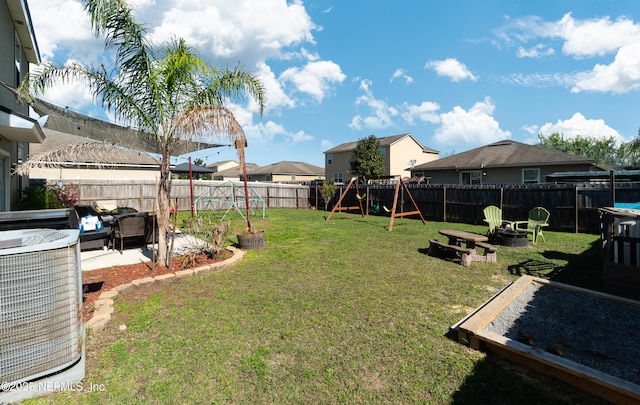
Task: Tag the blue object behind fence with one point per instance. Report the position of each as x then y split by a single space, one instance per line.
631 205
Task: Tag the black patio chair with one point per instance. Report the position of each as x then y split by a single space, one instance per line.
129 226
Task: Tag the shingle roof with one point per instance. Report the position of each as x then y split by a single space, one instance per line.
235 171
56 140
186 168
506 153
287 167
384 141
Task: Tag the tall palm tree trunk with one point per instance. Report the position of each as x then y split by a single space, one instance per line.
164 202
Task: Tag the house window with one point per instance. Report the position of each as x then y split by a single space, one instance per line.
329 158
293 177
383 152
268 177
471 177
337 177
18 59
530 176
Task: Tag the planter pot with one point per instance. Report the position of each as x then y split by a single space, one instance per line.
251 240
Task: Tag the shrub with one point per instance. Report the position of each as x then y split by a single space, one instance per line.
211 234
44 197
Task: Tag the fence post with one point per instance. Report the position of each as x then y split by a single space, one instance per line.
612 180
444 204
577 208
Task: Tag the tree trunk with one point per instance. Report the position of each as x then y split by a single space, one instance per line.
164 202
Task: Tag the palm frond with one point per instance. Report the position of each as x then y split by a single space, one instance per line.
99 154
206 122
237 84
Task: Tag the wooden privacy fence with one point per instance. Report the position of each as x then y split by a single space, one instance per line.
573 207
142 194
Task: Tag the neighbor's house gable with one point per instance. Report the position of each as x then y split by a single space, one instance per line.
224 165
504 162
399 153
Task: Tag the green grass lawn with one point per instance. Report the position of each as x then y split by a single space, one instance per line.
328 312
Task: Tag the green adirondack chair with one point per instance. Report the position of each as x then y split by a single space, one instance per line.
538 219
493 217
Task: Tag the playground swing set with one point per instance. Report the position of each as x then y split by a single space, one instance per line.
376 203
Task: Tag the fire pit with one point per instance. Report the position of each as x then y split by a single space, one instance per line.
512 238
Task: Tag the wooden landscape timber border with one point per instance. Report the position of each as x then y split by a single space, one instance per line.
470 331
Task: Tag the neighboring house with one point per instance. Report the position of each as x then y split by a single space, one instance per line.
18 128
233 172
286 171
400 152
224 165
504 162
123 164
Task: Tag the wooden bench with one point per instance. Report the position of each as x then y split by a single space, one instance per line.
489 254
437 248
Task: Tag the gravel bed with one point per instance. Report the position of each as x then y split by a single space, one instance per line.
598 333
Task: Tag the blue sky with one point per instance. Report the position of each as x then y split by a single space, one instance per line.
455 74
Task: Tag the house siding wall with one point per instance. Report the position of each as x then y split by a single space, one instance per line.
71 174
10 191
507 175
402 152
340 165
7 73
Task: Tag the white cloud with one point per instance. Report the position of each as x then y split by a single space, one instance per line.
326 144
541 80
531 129
275 94
582 39
63 21
536 51
595 36
621 76
263 133
579 125
315 78
73 94
477 126
224 31
248 30
452 69
425 112
381 116
401 73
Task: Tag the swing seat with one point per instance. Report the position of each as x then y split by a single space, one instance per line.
386 209
361 197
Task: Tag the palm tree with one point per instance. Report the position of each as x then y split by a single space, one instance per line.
168 92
